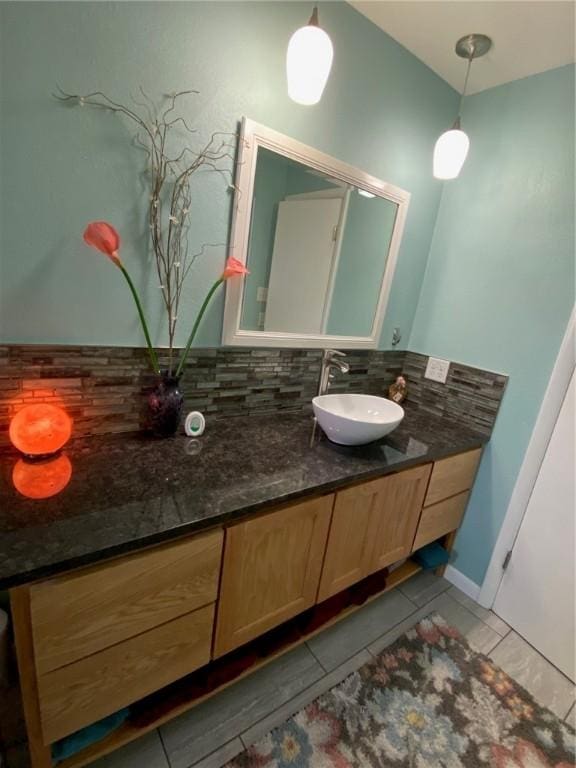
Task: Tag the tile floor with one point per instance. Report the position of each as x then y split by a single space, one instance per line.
214 732
217 730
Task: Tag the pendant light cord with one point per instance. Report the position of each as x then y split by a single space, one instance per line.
463 94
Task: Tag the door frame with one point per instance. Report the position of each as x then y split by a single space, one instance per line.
533 458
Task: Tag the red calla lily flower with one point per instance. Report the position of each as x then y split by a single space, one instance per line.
103 237
234 267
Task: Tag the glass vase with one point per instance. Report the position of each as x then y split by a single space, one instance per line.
165 406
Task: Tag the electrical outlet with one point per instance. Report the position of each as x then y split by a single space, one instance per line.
261 293
437 369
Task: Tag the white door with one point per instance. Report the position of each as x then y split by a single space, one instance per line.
302 262
537 593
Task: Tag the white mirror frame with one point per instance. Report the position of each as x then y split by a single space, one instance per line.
252 136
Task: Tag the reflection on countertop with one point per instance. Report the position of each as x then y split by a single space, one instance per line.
130 491
42 479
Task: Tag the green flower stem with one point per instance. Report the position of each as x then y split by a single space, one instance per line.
151 351
203 308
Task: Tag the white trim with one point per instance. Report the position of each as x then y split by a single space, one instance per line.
460 580
252 136
321 194
547 417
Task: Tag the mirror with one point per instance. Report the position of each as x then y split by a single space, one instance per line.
320 239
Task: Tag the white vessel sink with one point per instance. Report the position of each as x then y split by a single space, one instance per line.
356 419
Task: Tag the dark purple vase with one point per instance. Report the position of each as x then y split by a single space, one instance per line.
165 406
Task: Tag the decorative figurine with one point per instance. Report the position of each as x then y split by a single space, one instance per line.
397 392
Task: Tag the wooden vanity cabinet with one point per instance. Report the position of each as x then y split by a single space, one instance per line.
271 570
373 525
447 496
100 638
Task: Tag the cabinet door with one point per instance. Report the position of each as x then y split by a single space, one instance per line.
373 525
271 571
396 515
349 550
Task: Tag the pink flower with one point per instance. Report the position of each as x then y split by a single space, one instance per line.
434 628
234 267
389 661
103 237
524 755
382 676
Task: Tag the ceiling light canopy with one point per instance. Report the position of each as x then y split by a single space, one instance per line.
452 147
308 62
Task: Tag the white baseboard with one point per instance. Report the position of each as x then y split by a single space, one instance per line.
461 581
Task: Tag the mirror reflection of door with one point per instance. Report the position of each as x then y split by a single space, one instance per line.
317 252
303 263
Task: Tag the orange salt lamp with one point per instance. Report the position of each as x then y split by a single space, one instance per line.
40 429
40 480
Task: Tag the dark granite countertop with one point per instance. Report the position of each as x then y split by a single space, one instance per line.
127 492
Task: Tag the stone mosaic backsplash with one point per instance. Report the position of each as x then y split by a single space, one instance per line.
470 396
104 388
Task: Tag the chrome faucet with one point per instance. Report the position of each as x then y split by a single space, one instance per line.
330 362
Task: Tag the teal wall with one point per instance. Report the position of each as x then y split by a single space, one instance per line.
499 285
382 111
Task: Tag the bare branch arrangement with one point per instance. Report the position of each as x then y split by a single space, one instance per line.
170 179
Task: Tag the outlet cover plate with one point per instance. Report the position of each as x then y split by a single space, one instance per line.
437 369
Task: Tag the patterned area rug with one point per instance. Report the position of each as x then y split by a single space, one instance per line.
428 701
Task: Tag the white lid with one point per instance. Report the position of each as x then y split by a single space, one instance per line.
194 424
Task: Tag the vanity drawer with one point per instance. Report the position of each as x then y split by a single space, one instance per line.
80 614
441 518
453 475
87 690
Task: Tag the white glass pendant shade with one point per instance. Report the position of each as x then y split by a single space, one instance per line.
452 147
308 64
450 153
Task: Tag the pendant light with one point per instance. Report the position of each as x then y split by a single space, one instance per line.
452 147
308 62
